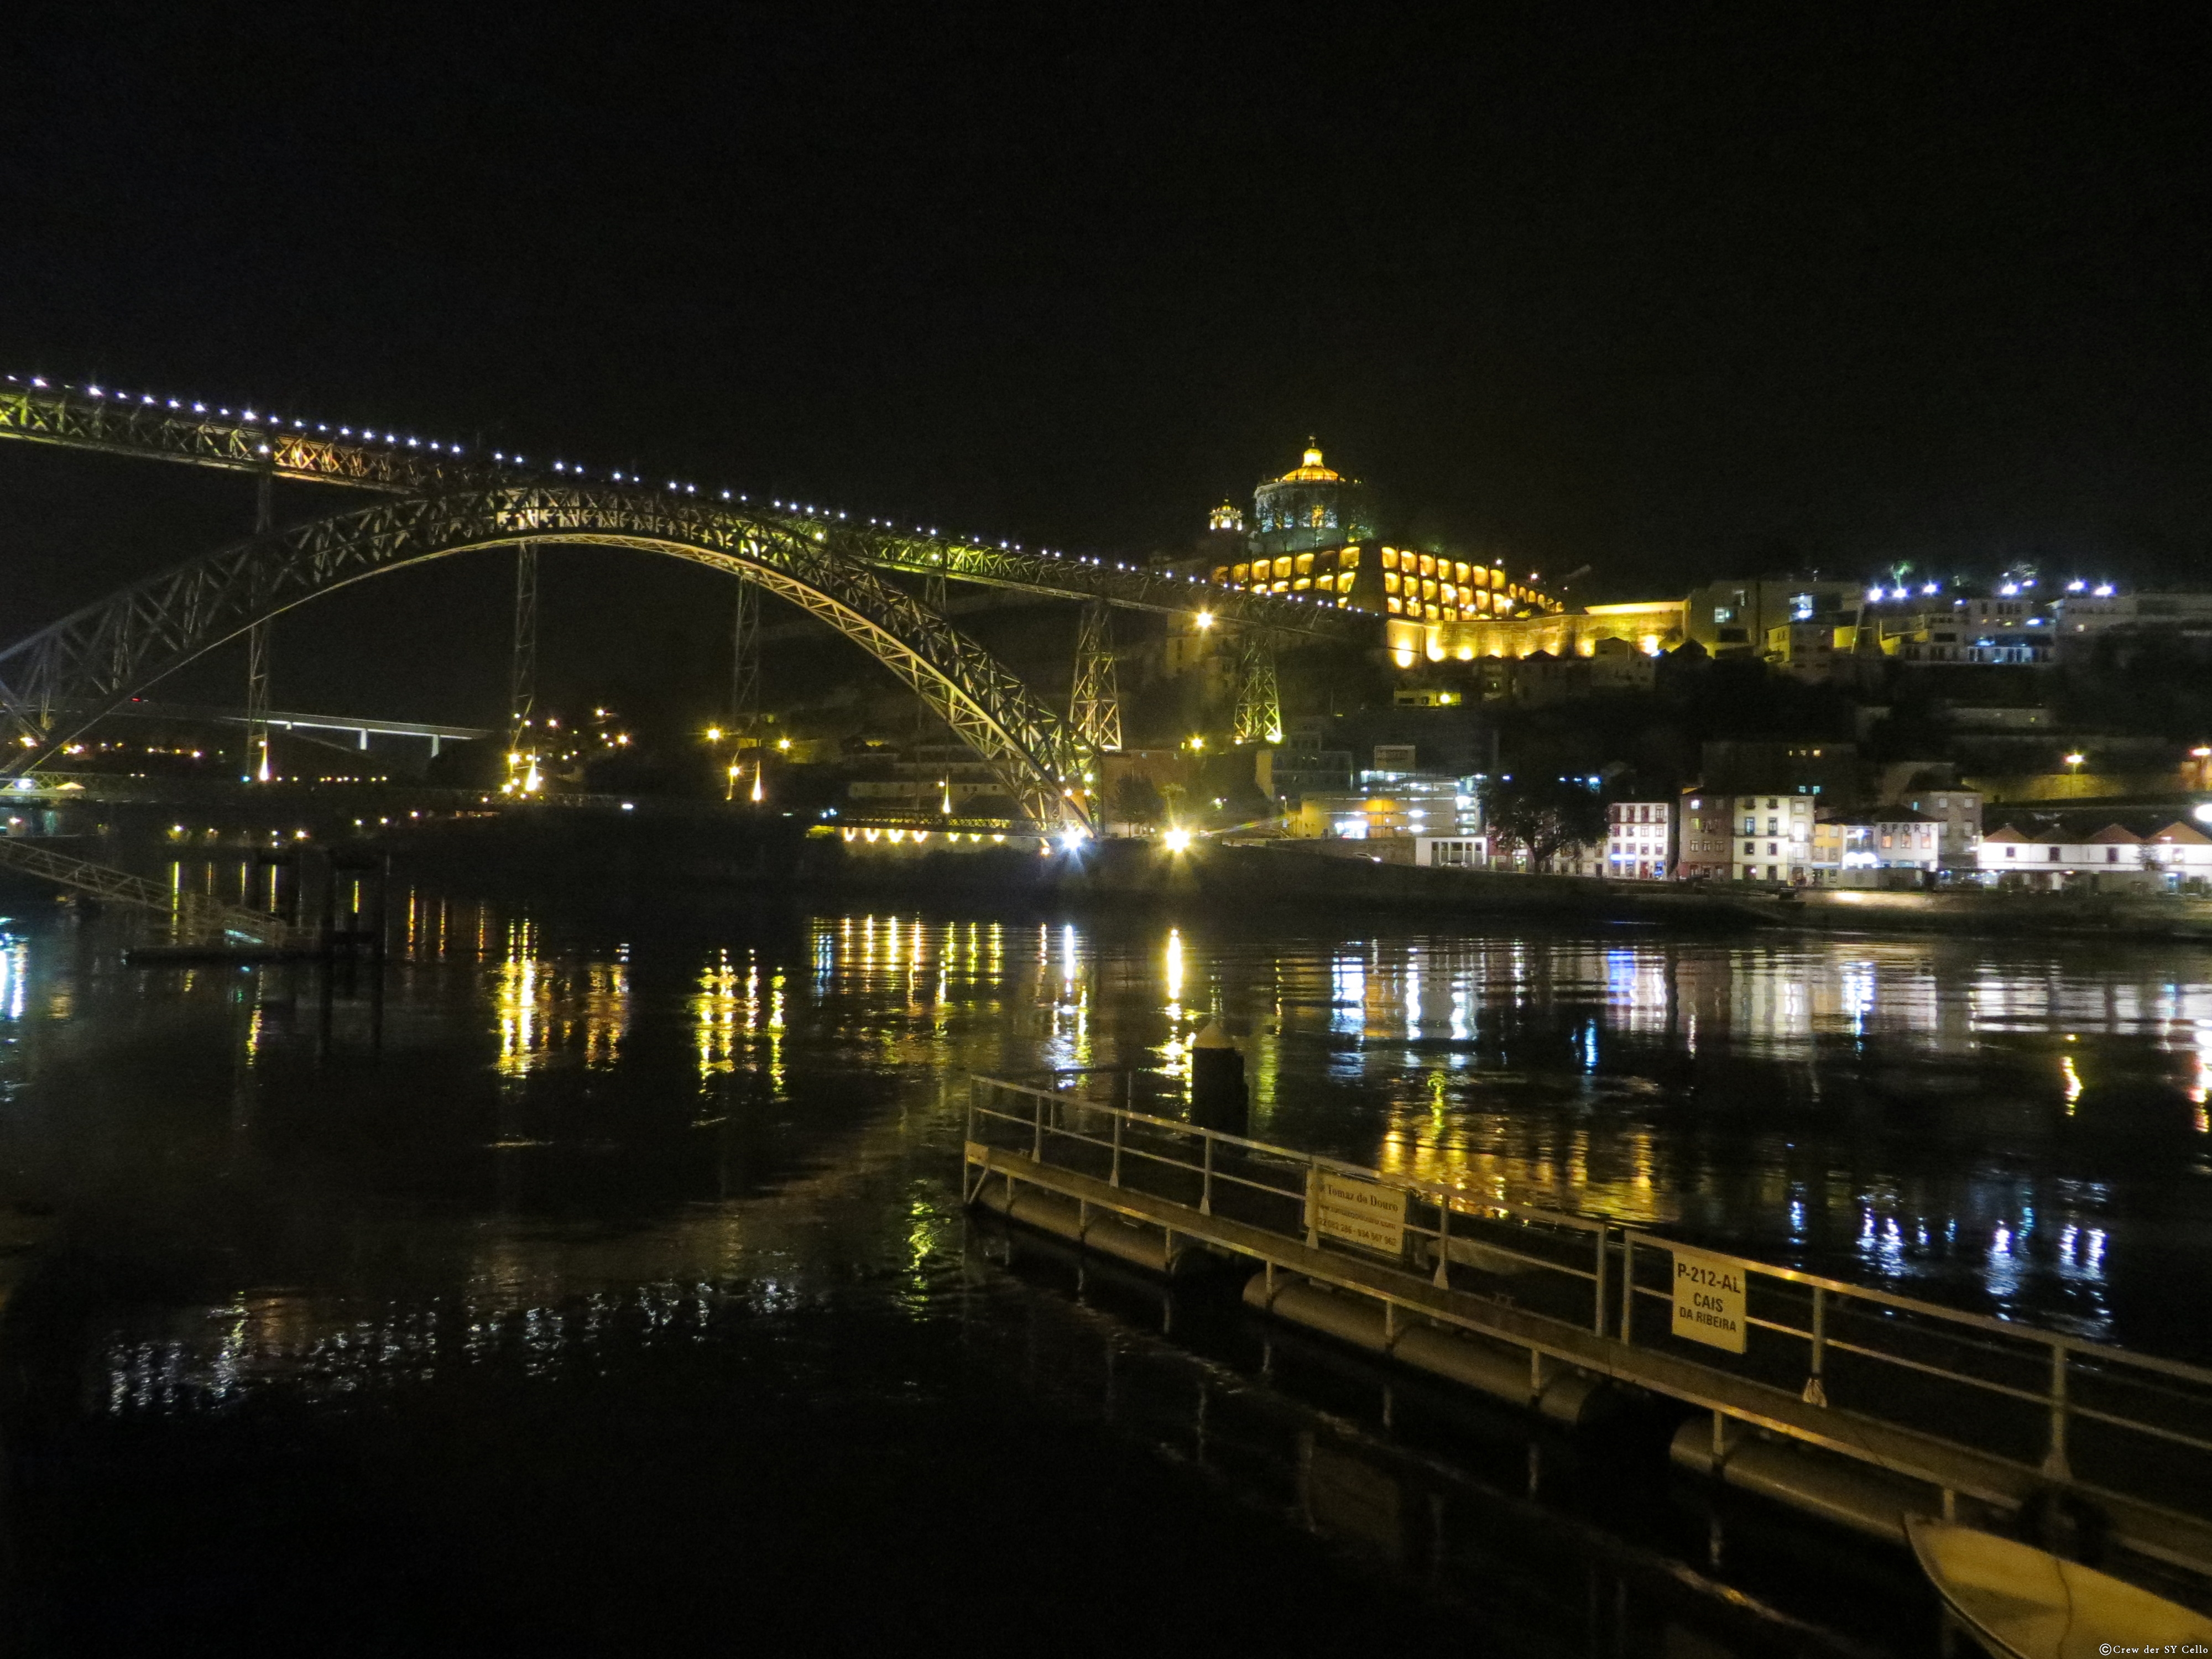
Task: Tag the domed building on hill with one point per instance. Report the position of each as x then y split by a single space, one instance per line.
1311 506
1313 533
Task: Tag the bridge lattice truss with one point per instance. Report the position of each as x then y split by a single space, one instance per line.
59 681
120 426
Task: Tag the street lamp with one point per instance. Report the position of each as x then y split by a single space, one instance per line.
1205 620
2074 763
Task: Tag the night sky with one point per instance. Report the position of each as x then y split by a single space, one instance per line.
1672 295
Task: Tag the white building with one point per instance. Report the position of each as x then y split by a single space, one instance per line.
1639 839
2052 855
1452 852
1771 838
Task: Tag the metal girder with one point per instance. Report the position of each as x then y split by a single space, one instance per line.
1095 703
522 674
122 426
1259 703
102 655
744 666
192 914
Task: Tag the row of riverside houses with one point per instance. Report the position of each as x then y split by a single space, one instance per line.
1774 813
1933 835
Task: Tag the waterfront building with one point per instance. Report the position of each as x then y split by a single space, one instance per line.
1888 838
1827 860
1639 841
1957 815
1703 849
1772 839
939 783
2040 850
1391 804
1452 852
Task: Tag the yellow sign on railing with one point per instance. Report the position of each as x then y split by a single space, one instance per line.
1709 1300
1362 1213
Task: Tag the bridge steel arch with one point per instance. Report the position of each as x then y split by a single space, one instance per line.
58 682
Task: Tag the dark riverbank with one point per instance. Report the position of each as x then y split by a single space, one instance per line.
781 855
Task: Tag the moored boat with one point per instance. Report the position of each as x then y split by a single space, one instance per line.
2021 1603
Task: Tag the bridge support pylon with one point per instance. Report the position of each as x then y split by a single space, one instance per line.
523 777
258 768
1259 703
744 694
1095 703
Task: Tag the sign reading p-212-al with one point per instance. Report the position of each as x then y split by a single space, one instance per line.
1709 1300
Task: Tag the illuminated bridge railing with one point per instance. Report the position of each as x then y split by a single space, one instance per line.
140 424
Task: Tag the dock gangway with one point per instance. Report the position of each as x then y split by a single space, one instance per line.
1888 1405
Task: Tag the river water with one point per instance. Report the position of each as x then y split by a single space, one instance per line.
604 1285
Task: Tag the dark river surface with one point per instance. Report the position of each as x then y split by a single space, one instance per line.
609 1289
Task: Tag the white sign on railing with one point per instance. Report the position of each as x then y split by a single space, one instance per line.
1709 1300
1362 1213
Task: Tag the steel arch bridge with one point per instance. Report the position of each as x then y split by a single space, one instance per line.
143 426
60 680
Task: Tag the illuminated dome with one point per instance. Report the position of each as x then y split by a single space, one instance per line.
1311 471
1311 506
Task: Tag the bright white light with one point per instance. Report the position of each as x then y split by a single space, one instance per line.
1073 836
2202 812
2103 590
2075 585
1928 588
1874 596
2009 589
1178 840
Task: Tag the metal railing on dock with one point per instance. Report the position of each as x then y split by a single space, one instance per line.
1966 1402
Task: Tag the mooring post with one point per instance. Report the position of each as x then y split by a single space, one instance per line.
1597 1324
2055 1464
1627 1286
1816 1388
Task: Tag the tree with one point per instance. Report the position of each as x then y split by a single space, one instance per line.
1542 816
1137 800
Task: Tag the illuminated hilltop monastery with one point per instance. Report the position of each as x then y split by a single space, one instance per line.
1314 533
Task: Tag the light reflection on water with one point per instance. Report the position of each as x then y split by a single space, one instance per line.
2008 1126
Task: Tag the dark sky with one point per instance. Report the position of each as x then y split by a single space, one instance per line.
1665 291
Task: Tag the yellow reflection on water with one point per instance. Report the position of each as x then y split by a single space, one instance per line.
543 1007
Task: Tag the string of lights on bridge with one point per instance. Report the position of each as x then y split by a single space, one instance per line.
562 469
